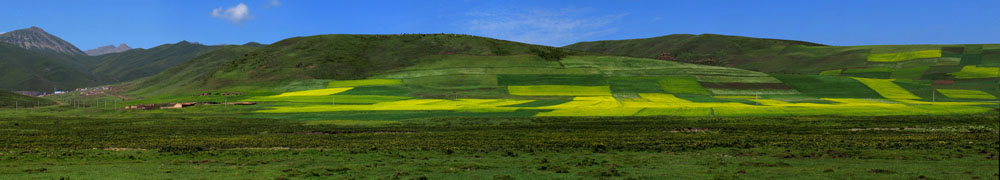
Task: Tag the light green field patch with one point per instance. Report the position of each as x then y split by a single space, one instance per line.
966 94
454 81
559 90
975 72
315 92
350 122
903 56
835 72
682 85
948 61
887 88
737 79
365 82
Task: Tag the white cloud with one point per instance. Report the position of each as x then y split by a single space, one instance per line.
275 3
555 28
236 14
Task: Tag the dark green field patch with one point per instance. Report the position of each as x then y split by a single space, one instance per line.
377 90
991 58
876 75
635 85
745 85
909 73
706 98
952 51
542 102
973 49
455 81
551 79
972 59
828 86
940 72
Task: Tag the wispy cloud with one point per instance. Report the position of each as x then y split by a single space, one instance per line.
547 27
236 14
275 3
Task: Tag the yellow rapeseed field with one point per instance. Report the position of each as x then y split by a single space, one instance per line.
966 94
887 88
903 56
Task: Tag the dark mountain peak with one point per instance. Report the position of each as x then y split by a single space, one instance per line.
34 38
108 50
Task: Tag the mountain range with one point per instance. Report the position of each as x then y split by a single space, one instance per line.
34 60
107 50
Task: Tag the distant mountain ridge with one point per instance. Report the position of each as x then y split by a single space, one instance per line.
108 50
34 60
35 38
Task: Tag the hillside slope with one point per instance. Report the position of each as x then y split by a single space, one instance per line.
22 69
139 63
921 69
709 49
10 100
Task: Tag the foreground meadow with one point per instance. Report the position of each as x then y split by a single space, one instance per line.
168 147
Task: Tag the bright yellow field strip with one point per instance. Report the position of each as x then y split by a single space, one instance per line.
975 72
966 94
887 88
662 98
903 56
315 92
944 103
365 82
559 90
470 105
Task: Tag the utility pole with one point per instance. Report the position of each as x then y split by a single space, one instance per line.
933 95
15 106
333 100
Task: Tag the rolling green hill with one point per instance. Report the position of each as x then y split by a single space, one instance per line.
342 57
10 99
918 68
139 63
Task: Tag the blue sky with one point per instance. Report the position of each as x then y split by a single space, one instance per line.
148 23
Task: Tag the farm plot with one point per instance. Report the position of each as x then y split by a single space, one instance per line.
682 85
887 88
559 90
316 92
965 94
975 72
903 56
365 82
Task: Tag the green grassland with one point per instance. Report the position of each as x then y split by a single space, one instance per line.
517 148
